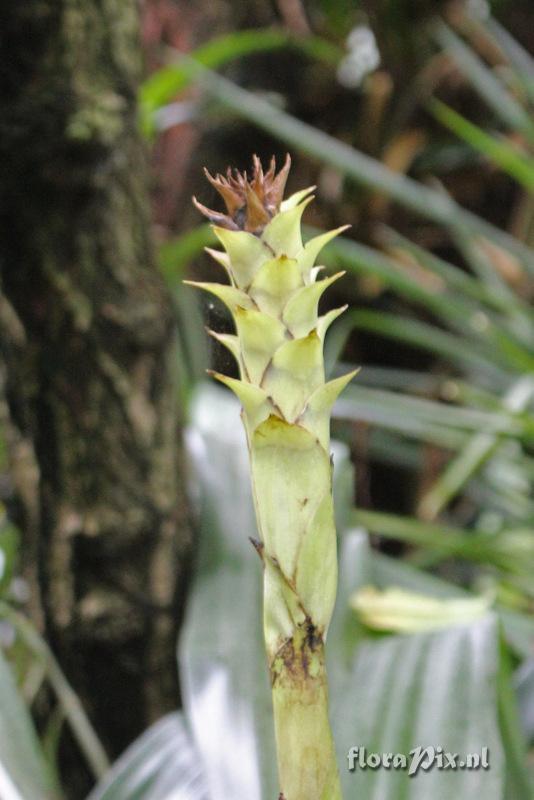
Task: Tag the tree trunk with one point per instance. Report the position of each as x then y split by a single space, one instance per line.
86 330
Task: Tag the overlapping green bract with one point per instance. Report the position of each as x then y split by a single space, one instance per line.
273 296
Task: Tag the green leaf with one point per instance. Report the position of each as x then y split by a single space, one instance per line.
415 333
488 329
498 151
510 550
72 708
381 410
490 88
22 763
518 782
162 764
454 307
472 457
164 84
419 417
453 276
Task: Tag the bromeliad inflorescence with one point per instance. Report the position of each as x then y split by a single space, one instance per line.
273 295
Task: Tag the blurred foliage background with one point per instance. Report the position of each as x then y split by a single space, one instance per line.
414 121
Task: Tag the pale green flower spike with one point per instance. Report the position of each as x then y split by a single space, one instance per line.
273 297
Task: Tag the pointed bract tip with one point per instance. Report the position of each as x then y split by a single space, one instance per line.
213 334
215 217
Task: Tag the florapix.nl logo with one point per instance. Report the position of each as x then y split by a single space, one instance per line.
417 759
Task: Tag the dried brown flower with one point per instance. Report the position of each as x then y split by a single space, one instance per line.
250 204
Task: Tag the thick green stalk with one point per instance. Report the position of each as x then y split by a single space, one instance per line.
306 756
273 296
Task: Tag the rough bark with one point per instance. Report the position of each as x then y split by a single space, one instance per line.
86 330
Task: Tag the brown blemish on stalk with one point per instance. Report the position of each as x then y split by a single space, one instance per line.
313 638
292 666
